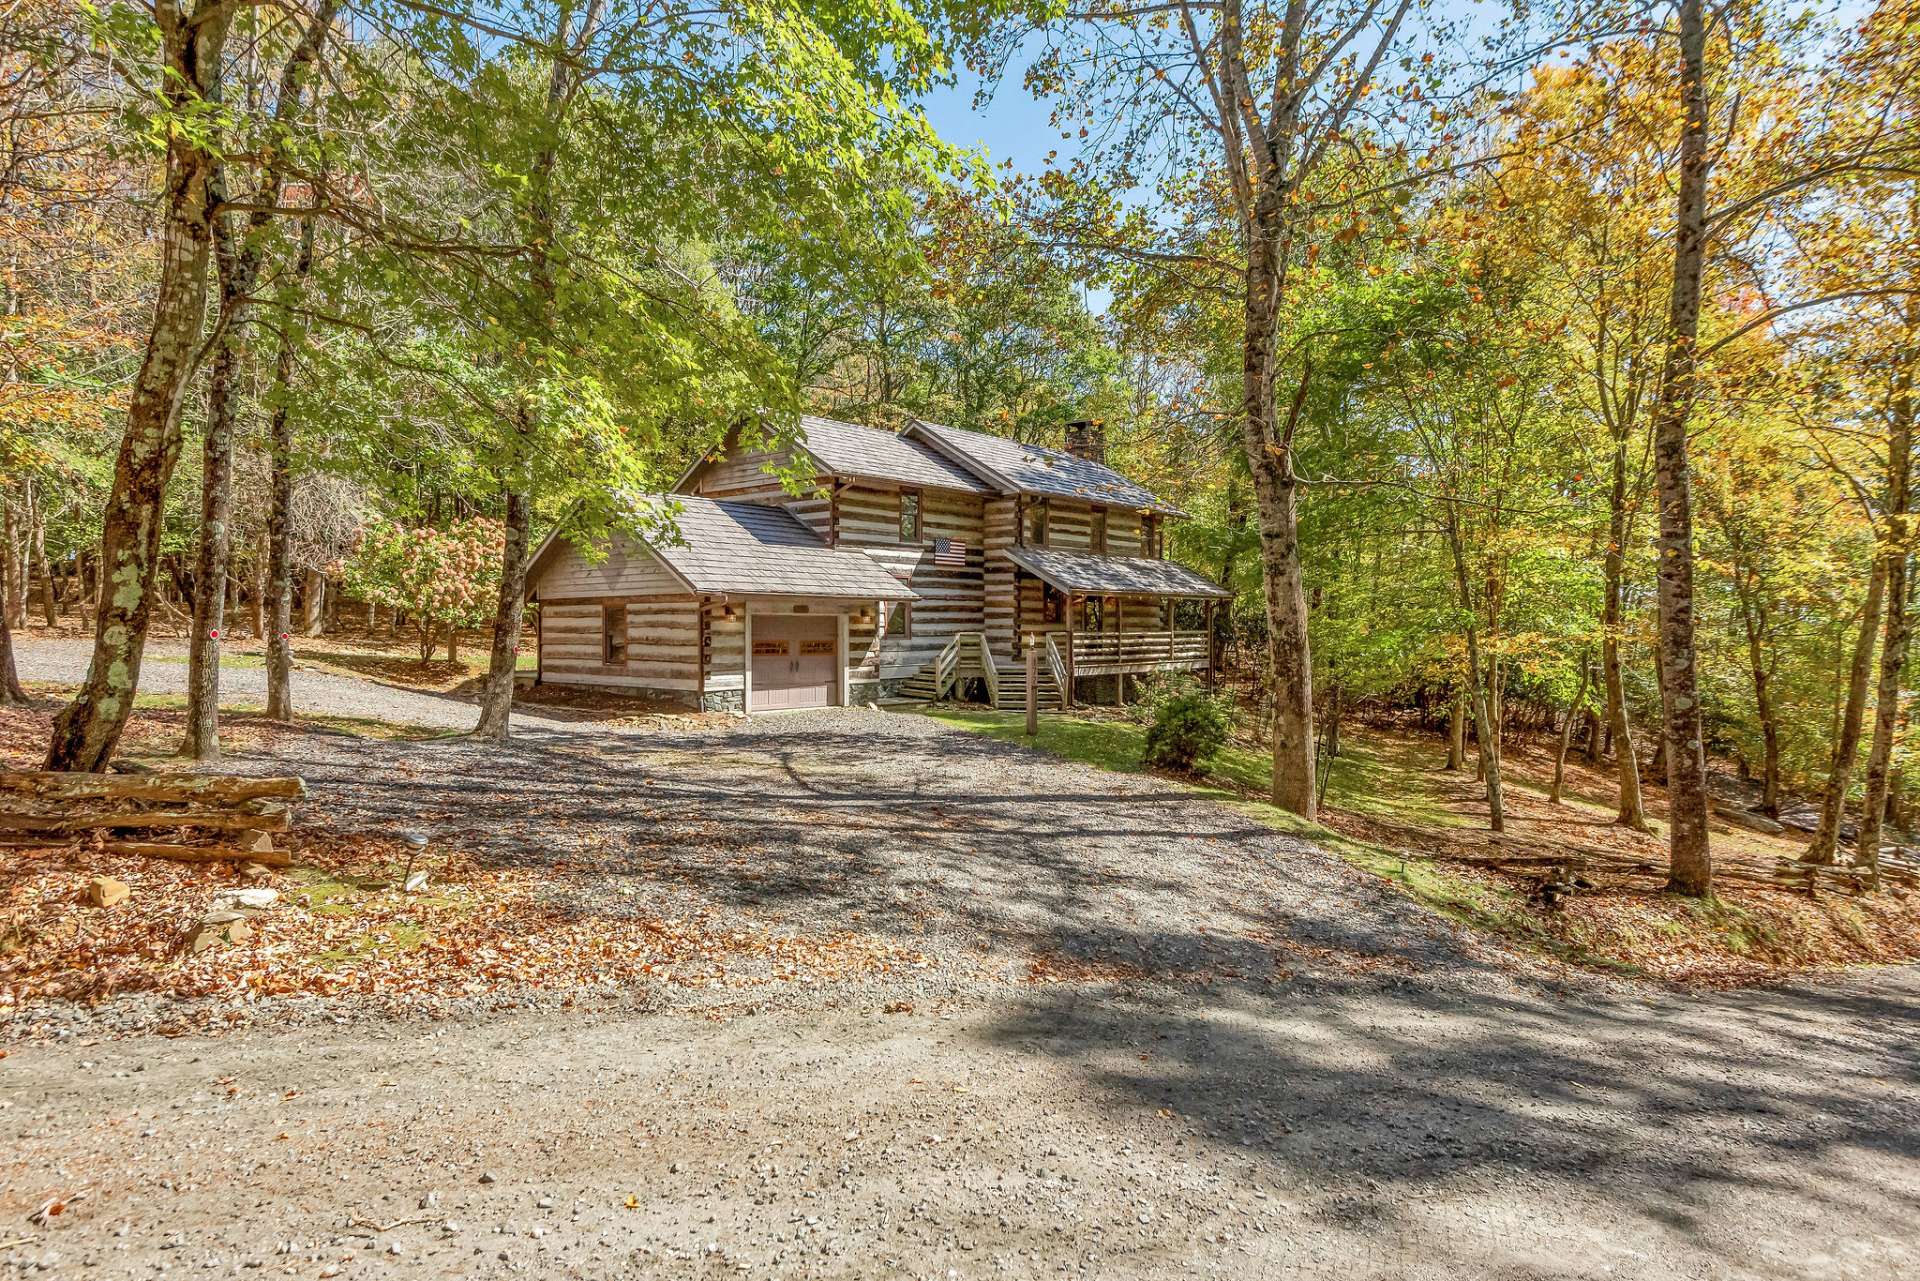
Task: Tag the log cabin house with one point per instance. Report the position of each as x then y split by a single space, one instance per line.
915 566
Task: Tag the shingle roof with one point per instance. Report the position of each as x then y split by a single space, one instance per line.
1035 469
849 450
1081 573
751 548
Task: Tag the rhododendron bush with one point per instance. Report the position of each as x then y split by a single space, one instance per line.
440 580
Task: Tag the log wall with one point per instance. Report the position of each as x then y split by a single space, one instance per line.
950 595
663 644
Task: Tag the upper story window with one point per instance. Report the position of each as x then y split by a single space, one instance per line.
909 515
1097 532
1153 538
1036 532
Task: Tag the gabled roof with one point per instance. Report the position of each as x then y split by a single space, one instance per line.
849 450
751 549
1035 469
1083 574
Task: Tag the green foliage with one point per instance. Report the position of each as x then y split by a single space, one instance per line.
1189 726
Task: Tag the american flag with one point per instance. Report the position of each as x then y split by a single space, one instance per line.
949 551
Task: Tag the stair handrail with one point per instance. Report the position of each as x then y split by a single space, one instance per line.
943 667
1057 667
987 668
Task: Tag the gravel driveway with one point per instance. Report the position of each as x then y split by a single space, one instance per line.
1156 1039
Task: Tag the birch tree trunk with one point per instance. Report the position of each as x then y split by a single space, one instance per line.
239 248
87 730
1690 868
1893 650
1846 743
496 697
280 507
1632 809
10 691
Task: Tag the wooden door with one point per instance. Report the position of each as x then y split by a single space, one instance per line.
794 657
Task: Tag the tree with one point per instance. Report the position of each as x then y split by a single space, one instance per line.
443 580
1242 105
240 247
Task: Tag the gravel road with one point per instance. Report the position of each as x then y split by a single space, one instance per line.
1344 1130
164 671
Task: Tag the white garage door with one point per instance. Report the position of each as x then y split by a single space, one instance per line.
794 656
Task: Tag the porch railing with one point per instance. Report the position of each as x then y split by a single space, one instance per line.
1095 651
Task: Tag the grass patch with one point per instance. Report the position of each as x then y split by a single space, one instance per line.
1381 779
394 939
228 659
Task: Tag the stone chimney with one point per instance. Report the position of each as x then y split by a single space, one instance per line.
1088 439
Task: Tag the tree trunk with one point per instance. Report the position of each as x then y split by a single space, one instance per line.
260 557
1893 651
87 730
496 695
1690 869
1269 448
1476 687
10 691
216 502
314 603
1566 735
13 584
1846 744
1632 810
1457 733
239 250
37 551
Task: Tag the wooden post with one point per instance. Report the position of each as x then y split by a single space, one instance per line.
1209 625
1033 687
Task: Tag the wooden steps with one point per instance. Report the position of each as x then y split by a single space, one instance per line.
1013 689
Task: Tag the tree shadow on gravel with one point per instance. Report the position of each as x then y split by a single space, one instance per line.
1728 1124
891 826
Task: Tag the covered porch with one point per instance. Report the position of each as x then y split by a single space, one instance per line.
1114 616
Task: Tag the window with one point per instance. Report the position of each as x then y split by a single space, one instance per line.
1093 614
1152 539
613 635
909 515
1097 535
1037 523
900 619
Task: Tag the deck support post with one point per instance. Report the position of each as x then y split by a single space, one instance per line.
1210 605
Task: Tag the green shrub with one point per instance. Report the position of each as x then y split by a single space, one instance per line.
1188 727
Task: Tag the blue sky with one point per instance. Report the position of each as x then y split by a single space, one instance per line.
1011 126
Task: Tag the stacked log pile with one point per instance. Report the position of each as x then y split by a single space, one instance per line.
203 817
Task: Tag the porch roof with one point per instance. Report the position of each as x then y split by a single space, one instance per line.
1084 574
